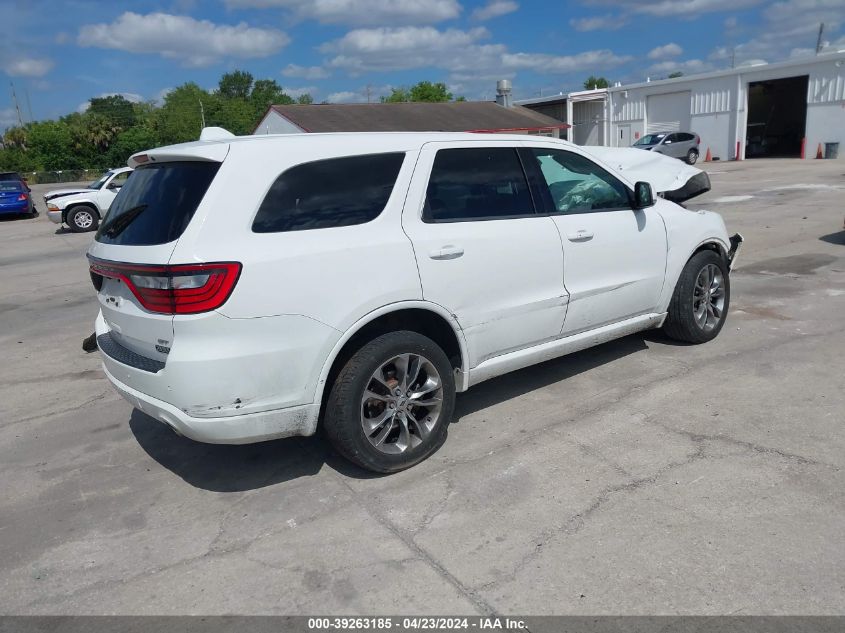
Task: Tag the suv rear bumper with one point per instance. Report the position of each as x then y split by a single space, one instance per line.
237 429
226 381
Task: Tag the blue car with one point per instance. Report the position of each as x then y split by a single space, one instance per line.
15 198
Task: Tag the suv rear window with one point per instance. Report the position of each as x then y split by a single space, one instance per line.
156 203
329 193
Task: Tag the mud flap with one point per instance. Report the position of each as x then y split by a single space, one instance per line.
736 243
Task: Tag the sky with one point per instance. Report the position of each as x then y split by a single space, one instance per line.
60 54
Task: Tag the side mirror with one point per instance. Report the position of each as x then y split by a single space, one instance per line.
113 185
643 196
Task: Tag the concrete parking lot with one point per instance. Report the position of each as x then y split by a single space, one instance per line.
639 477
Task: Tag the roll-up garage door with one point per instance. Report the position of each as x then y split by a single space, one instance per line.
669 112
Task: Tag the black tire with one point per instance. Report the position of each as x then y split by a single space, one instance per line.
682 324
83 218
342 420
692 157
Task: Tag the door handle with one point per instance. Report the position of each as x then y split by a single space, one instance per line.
580 236
450 251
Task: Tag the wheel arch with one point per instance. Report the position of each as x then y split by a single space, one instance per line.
81 203
712 244
424 317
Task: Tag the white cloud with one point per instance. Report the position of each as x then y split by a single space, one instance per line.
27 67
494 9
686 8
305 72
362 12
599 23
788 27
382 49
158 99
688 67
662 52
543 63
295 93
8 118
346 96
193 42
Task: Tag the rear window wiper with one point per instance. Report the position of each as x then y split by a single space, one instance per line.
119 224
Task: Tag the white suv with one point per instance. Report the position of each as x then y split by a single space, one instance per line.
259 287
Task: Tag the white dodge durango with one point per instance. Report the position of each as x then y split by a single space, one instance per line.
260 287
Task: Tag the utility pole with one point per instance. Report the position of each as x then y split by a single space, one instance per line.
819 41
202 114
368 92
733 57
17 107
28 104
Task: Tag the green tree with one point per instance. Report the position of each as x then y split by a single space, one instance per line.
51 144
424 91
135 139
676 74
180 120
305 99
267 92
592 83
429 92
235 85
115 108
397 95
15 137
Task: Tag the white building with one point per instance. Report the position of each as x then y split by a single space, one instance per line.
785 109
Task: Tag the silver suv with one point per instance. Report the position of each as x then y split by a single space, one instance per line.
683 145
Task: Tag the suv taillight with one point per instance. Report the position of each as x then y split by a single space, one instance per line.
172 289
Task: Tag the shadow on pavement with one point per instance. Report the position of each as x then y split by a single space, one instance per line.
834 238
530 379
223 468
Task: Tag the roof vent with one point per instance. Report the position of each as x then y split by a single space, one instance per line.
503 93
215 134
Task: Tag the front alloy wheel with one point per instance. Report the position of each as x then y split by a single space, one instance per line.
700 302
390 405
708 302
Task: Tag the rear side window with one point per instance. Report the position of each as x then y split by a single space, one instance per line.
156 203
683 136
329 193
479 183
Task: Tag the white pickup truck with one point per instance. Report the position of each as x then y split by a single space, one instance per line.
83 208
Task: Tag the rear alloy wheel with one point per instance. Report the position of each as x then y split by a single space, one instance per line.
692 157
390 405
82 218
700 303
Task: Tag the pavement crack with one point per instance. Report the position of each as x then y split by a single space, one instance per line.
483 607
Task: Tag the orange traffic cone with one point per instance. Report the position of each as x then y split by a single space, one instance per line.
708 157
819 152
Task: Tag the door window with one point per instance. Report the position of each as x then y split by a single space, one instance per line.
119 180
576 184
479 183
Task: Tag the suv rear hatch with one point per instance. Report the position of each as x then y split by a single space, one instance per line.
139 292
